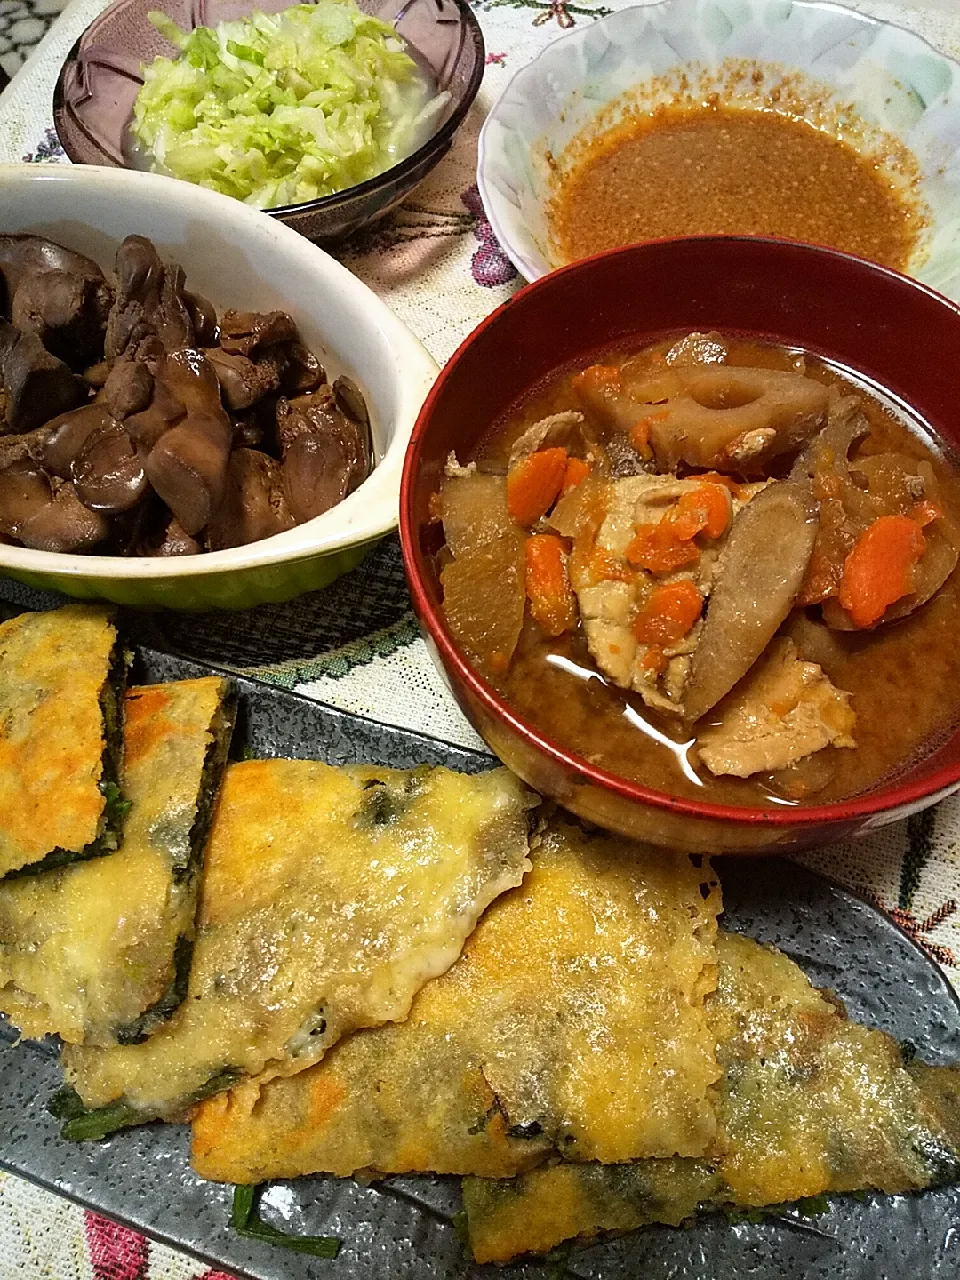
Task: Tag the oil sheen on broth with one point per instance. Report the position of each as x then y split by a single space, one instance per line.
889 686
702 170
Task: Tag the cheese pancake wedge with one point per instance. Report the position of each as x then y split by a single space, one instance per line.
61 687
573 1021
329 897
98 952
810 1103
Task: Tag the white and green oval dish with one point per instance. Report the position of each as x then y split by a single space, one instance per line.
237 257
876 84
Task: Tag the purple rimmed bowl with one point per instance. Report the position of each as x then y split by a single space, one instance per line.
99 81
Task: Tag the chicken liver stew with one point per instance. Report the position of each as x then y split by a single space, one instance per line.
717 567
136 421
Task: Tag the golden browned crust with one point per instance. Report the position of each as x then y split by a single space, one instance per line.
810 1103
53 669
88 948
329 897
574 1021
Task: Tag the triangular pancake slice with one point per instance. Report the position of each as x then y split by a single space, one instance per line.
574 1021
329 897
98 952
62 675
810 1103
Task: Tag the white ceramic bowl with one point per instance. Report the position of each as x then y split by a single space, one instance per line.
237 257
898 86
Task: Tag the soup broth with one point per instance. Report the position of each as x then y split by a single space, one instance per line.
821 679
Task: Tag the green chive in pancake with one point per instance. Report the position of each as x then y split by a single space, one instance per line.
98 952
61 690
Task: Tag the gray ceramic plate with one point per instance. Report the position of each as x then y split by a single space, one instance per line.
402 1227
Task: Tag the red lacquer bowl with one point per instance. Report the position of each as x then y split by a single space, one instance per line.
900 334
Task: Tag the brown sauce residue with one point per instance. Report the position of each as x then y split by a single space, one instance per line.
715 170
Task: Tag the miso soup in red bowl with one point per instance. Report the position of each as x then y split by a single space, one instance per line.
681 526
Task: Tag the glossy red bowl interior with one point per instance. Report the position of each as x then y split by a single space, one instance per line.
903 336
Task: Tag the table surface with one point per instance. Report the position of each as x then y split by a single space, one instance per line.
356 645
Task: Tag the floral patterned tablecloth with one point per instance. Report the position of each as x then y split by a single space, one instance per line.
437 263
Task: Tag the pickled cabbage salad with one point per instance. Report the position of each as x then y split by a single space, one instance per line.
278 109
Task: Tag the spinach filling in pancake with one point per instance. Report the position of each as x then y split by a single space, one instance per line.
573 1021
329 897
810 1103
99 952
61 689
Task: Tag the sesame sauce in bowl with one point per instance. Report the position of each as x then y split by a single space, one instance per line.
710 169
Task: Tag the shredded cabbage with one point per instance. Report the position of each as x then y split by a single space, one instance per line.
278 109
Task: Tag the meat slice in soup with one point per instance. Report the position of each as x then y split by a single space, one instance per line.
784 710
560 430
642 588
714 566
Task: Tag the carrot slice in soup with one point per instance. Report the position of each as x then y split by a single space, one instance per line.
728 482
879 569
534 484
606 567
576 470
654 660
597 377
706 510
551 597
669 545
658 549
640 432
668 614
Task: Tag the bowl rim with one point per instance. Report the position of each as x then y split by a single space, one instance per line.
365 515
437 141
527 268
893 795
